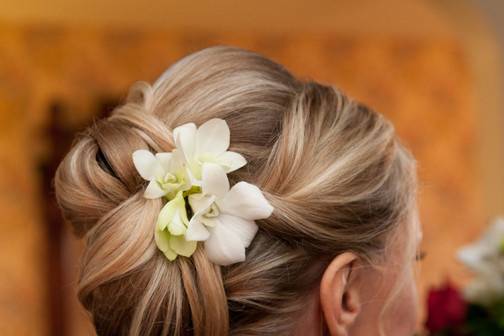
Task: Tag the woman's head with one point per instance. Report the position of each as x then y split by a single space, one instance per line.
336 249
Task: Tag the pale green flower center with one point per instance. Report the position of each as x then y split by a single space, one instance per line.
171 182
169 178
213 211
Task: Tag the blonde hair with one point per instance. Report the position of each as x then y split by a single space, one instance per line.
333 169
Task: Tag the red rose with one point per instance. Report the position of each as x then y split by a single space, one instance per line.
446 308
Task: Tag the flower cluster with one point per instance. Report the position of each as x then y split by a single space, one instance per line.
477 309
486 259
447 310
200 204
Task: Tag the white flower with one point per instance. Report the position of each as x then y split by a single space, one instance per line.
486 259
224 218
207 144
482 290
165 172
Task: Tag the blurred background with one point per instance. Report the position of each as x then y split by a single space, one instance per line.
433 67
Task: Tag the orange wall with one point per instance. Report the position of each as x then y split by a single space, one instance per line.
424 77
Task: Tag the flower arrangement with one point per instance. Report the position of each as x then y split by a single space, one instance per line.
201 206
478 309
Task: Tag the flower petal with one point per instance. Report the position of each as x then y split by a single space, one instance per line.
175 207
244 228
176 225
162 238
200 202
166 215
494 235
231 161
193 180
196 230
245 200
146 164
177 161
472 256
170 254
224 246
181 246
212 137
209 221
185 139
165 160
153 190
214 180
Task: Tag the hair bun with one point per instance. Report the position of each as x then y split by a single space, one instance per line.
331 167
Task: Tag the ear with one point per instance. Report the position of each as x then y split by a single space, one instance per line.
339 294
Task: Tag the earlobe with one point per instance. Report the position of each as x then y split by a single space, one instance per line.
339 295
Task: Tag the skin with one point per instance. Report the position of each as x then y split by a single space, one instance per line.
351 297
